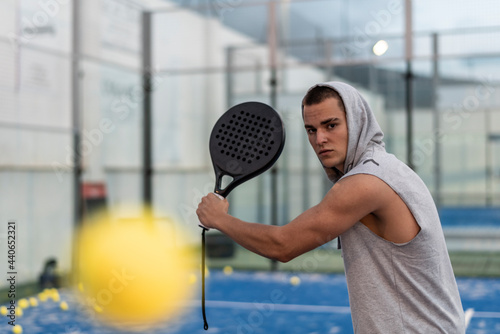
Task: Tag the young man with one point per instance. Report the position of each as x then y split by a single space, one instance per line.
398 271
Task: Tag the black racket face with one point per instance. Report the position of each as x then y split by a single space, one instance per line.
246 141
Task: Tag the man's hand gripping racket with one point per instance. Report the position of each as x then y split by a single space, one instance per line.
246 141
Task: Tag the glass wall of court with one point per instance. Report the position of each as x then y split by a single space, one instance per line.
78 75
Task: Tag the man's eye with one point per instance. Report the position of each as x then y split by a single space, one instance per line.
331 126
310 131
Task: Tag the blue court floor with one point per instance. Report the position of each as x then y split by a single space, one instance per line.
263 302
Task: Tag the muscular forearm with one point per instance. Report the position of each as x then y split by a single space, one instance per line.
282 243
265 240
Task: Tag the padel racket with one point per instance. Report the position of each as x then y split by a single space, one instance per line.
245 142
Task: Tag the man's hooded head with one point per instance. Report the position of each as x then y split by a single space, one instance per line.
363 129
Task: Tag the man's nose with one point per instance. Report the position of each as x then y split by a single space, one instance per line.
320 137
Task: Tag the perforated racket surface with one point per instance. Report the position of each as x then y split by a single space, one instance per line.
245 142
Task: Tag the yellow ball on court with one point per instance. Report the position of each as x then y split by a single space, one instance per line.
55 296
33 302
3 310
23 303
19 311
64 306
17 329
135 270
228 270
294 280
43 296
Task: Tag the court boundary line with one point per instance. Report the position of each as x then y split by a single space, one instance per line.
281 307
470 313
486 315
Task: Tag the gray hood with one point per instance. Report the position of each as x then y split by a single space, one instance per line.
363 129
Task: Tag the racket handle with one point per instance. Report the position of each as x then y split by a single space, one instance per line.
205 323
220 196
203 226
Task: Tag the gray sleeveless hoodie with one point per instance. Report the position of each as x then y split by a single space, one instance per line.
394 288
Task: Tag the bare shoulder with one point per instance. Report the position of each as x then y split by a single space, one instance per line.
357 198
360 193
384 212
362 187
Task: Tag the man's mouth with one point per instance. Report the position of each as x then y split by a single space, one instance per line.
324 152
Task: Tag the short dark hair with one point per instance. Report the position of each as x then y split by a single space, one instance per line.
319 94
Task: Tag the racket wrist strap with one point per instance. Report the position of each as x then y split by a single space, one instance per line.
205 323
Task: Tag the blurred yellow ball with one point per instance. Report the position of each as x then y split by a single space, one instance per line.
55 296
19 312
33 302
294 280
228 270
23 303
43 297
135 269
64 306
3 310
17 329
